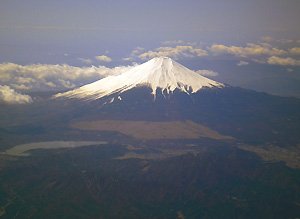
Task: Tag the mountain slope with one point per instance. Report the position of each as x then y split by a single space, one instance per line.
162 72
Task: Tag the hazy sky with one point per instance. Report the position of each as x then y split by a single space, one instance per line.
242 40
35 28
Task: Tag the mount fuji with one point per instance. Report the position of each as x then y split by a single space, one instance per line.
161 73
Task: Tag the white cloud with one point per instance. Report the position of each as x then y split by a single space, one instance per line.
242 63
207 73
251 50
103 58
52 77
275 60
174 52
10 96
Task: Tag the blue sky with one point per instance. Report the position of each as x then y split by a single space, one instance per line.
117 33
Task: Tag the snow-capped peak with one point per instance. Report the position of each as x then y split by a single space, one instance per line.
160 72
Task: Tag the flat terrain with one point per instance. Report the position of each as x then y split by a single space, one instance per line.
147 130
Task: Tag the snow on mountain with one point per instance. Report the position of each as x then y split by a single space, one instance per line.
160 72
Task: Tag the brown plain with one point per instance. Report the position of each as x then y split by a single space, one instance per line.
147 130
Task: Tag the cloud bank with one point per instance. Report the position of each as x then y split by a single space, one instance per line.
295 51
275 60
260 52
